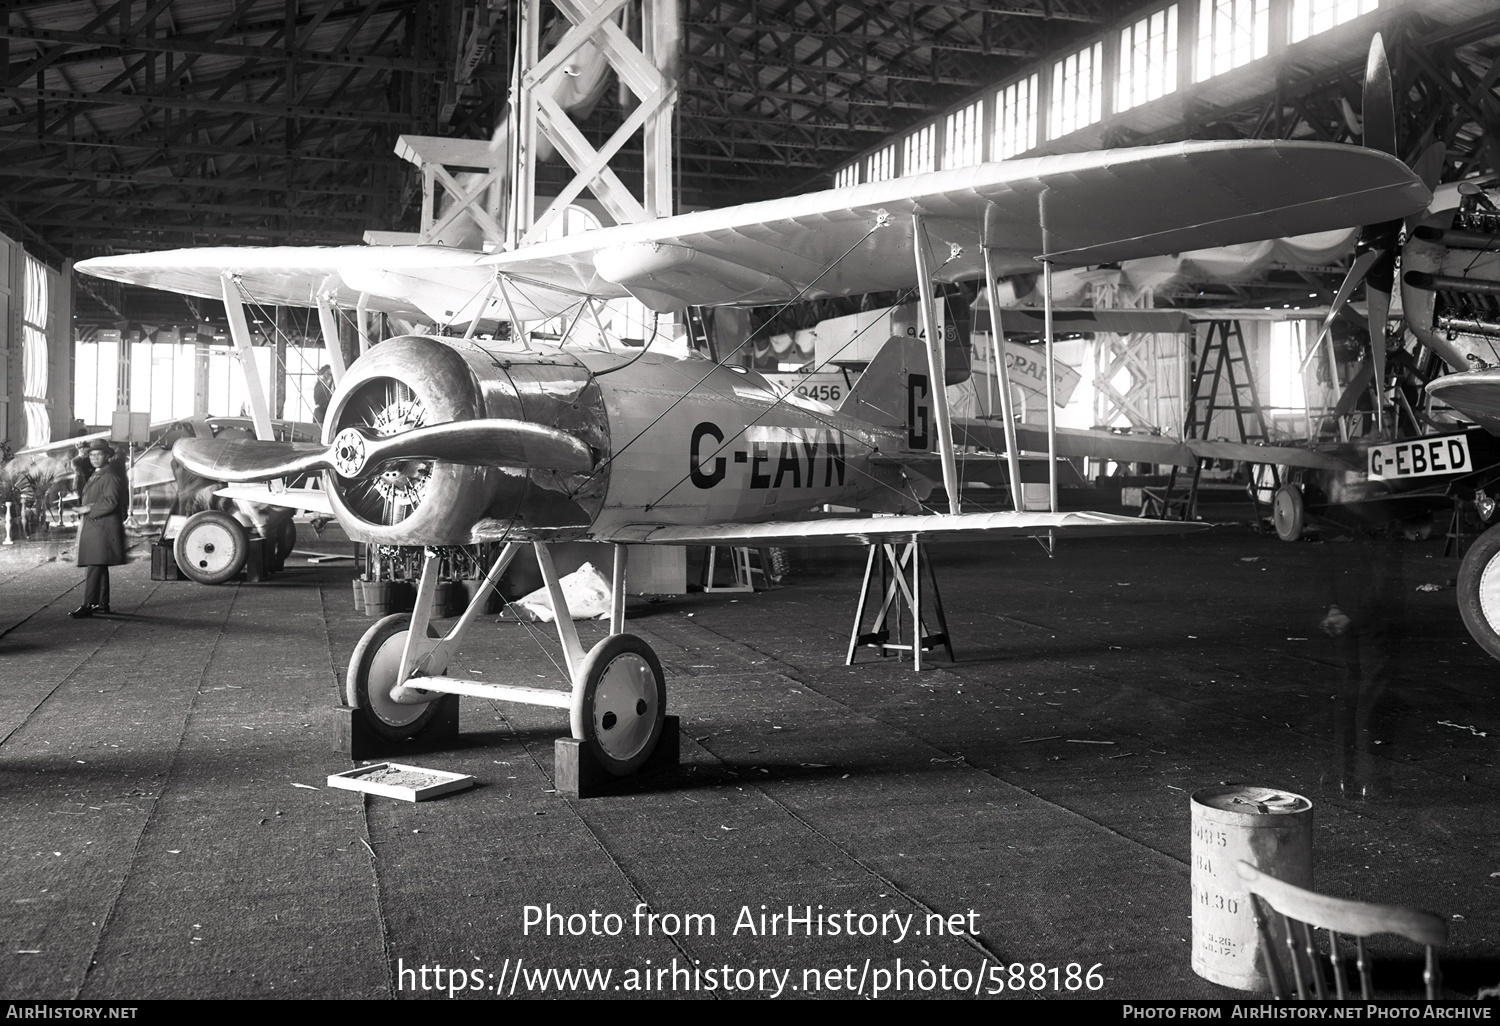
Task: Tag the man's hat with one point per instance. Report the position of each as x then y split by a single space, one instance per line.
101 445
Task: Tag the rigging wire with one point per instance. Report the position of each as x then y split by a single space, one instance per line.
902 297
880 222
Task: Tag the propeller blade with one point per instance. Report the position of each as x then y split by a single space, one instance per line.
356 453
1429 168
1357 271
480 443
1378 101
1378 309
242 460
1353 390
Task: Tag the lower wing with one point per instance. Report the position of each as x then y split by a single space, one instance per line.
1107 445
868 530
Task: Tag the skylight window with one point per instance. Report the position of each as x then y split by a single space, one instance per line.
1148 59
917 152
1016 118
1309 17
1231 33
961 136
1077 91
881 164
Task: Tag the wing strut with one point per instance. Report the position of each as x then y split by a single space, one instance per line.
1002 375
239 330
936 370
1051 379
484 299
328 321
361 323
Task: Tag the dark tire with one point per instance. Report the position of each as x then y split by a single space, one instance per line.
1479 591
624 703
372 674
212 547
286 541
1288 513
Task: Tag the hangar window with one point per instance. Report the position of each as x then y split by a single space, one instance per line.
1231 33
917 156
961 139
881 164
846 177
96 369
1148 59
34 353
1309 17
300 376
1016 118
228 395
1077 91
1288 341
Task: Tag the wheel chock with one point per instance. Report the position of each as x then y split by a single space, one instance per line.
353 735
577 774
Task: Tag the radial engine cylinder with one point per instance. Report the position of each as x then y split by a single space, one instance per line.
420 381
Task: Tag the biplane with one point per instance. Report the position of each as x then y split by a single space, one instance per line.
455 439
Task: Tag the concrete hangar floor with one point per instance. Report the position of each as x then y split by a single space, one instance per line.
166 829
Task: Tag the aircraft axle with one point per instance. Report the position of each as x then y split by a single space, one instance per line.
411 692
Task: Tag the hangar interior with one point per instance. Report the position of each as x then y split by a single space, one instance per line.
1022 740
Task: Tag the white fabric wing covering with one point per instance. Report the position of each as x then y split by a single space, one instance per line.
1100 207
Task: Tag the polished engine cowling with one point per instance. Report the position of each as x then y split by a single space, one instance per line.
419 381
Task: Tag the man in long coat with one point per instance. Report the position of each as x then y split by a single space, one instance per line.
101 528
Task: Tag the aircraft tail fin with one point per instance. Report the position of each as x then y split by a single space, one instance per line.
895 390
880 394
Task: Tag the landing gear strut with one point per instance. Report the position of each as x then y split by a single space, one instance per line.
616 702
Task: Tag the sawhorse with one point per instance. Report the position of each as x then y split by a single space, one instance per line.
901 580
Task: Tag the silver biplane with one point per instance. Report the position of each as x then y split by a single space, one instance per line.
442 440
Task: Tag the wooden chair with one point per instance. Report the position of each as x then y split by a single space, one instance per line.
1302 911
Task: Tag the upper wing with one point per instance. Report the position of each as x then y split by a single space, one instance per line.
391 277
868 530
1100 206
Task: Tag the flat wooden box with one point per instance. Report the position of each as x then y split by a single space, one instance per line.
442 782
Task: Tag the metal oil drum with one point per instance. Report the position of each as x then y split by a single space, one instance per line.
1271 830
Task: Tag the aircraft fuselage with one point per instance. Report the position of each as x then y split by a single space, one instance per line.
677 441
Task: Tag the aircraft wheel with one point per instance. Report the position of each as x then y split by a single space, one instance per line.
212 547
1288 513
372 676
624 703
1479 591
286 541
